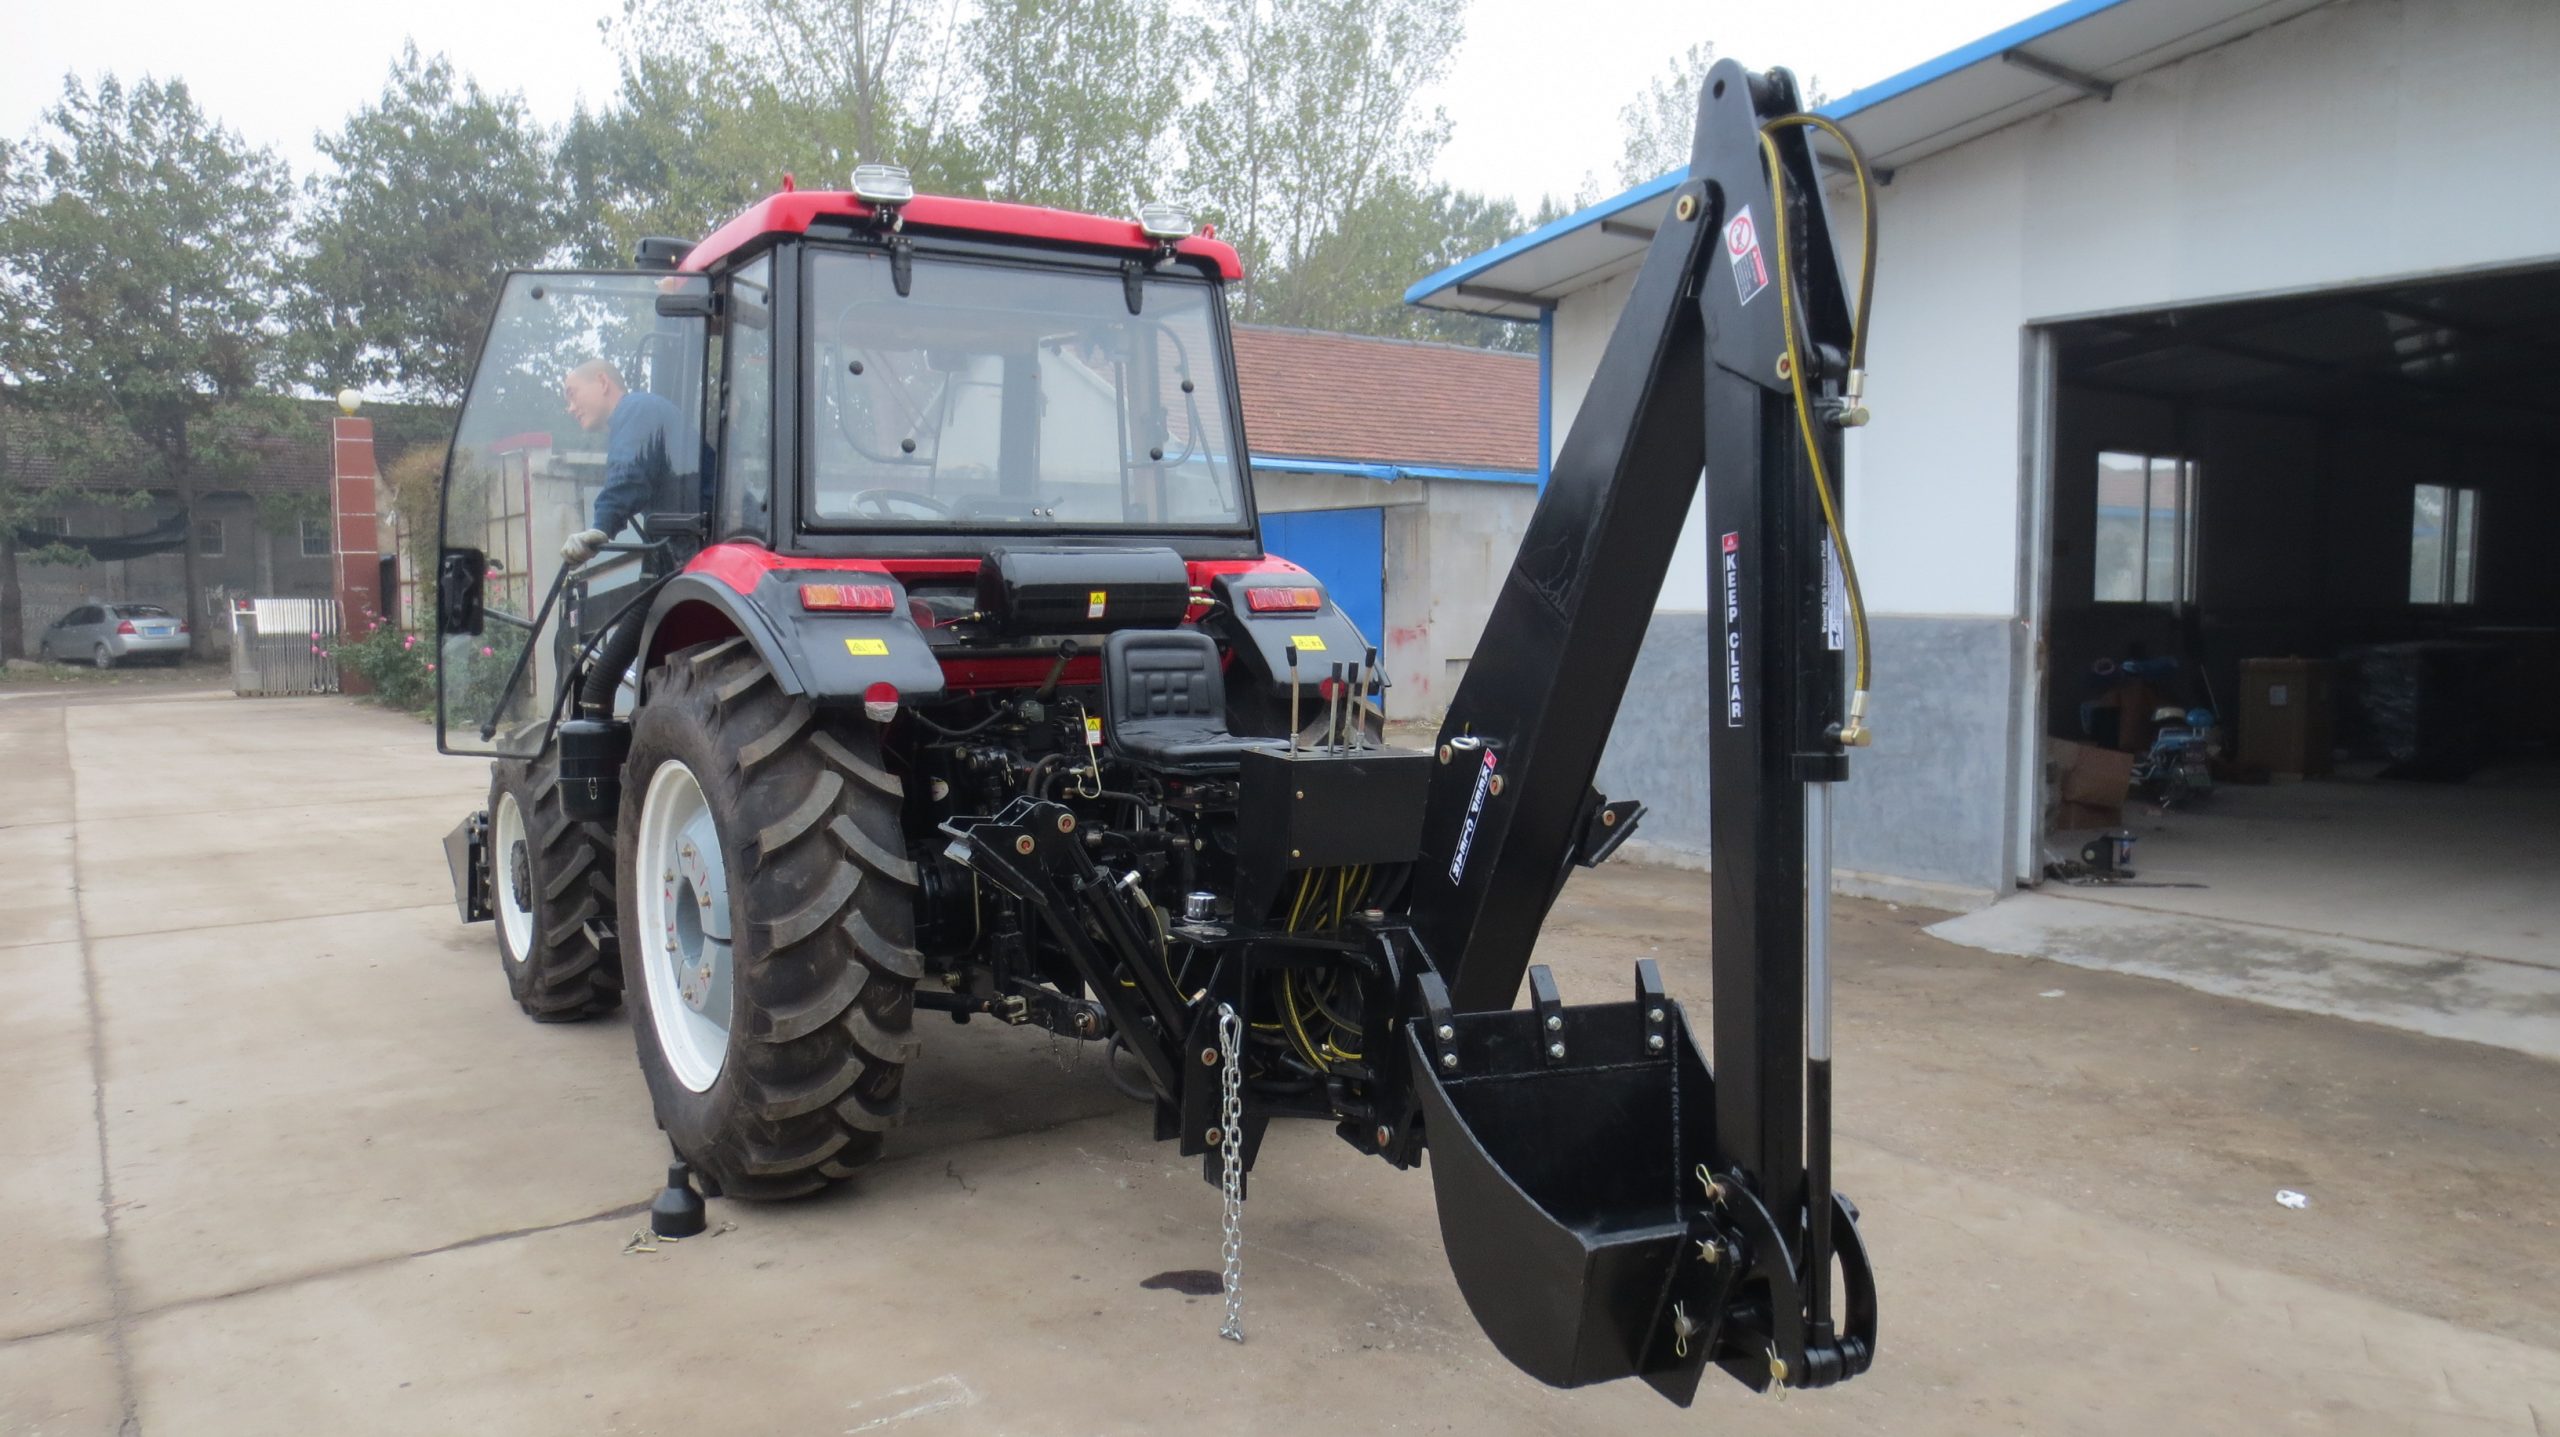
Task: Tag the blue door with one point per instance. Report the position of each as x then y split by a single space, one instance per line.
1347 549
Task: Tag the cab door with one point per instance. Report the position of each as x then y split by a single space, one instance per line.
528 467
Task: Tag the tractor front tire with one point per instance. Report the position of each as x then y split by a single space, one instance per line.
768 927
551 882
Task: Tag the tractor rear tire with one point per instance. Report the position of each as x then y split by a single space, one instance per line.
551 881
772 982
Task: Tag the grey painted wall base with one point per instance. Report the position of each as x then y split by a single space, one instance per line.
1916 892
1923 818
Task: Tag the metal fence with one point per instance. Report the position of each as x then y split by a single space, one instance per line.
282 646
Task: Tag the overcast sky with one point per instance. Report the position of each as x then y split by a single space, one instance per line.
1533 97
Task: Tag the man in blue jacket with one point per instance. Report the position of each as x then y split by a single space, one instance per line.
642 437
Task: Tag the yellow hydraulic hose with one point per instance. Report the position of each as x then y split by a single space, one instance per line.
1853 731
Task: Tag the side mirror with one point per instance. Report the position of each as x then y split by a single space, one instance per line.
687 304
460 577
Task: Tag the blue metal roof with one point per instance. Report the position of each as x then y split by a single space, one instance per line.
2080 49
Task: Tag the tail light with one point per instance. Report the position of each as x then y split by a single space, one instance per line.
1282 599
880 702
127 628
848 598
182 626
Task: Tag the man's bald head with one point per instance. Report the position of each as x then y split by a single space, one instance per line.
592 390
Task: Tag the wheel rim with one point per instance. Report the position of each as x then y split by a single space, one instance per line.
512 875
102 658
683 900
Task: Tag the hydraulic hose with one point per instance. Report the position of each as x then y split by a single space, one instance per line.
604 673
1853 731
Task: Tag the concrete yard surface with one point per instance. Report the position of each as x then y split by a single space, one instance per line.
282 1157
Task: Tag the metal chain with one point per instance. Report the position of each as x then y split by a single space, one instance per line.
1231 1142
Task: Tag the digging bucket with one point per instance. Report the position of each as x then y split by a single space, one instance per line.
1559 1175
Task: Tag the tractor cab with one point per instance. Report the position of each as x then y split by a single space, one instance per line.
898 442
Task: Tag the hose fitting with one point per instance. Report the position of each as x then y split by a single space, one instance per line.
1855 733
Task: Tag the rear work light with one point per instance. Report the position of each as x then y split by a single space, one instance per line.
848 598
885 185
1305 599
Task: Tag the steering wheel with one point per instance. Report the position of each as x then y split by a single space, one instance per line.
877 501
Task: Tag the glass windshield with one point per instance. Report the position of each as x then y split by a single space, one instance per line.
582 415
995 395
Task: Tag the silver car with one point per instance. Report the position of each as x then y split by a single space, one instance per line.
108 634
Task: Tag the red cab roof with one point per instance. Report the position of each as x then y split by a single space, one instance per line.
791 212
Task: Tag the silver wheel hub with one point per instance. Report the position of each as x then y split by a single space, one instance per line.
515 887
684 926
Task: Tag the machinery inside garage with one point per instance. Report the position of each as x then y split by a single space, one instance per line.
2328 521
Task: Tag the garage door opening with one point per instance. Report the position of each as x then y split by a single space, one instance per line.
2328 527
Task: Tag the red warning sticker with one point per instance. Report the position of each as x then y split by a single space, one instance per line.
1742 246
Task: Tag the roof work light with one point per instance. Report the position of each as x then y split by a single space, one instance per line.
1160 220
885 185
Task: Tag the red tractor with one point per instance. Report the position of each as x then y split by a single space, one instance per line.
865 611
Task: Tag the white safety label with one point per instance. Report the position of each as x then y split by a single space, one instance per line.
1835 600
1742 247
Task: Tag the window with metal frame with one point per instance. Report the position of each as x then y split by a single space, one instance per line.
746 391
209 538
2444 545
2145 547
315 537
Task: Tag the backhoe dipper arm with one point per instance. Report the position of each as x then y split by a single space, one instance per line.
1697 375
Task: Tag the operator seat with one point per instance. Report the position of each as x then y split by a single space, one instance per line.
1166 702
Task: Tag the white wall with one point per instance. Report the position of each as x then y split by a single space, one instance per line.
1583 321
2367 140
1449 543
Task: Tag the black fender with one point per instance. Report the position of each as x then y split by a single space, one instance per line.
826 657
1324 636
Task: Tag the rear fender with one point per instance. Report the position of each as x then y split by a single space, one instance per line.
1323 637
826 657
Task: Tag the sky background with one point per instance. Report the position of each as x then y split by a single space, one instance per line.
1532 97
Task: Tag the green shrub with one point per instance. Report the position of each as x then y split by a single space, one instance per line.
399 664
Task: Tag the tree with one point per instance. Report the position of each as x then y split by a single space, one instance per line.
140 250
720 98
1309 110
439 187
1075 99
1355 278
1661 122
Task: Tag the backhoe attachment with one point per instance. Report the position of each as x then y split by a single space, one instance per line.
1622 1195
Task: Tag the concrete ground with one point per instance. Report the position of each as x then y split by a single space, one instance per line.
281 1157
2447 867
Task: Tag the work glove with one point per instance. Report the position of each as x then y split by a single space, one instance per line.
582 545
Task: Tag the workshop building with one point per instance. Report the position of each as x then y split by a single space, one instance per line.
2210 370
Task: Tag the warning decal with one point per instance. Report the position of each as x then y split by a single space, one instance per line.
1742 247
1730 571
867 648
1094 601
1475 816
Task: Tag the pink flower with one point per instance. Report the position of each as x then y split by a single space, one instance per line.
315 633
431 668
486 652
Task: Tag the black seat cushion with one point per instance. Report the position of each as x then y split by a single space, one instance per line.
1166 701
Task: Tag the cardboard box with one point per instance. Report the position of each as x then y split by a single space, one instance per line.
2287 715
2089 784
